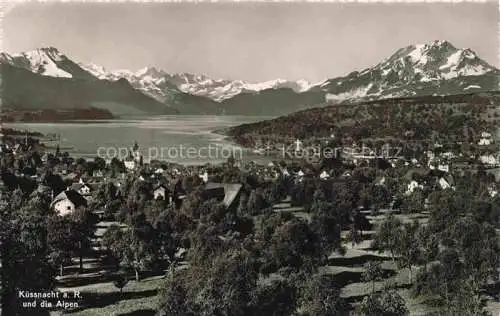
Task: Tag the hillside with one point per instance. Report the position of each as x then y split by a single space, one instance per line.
451 118
271 102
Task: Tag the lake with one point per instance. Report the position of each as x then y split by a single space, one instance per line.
186 139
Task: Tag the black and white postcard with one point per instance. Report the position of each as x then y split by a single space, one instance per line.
267 158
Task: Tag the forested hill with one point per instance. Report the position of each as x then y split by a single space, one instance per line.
448 118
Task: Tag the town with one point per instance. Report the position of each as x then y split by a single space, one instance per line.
370 219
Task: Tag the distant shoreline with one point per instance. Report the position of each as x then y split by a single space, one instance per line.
53 116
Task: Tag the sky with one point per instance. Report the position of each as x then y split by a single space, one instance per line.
247 41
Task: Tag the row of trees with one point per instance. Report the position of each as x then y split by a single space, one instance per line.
456 252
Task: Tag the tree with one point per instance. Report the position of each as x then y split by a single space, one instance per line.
255 202
381 196
320 296
226 287
428 245
354 235
414 202
360 222
119 281
61 241
392 303
23 254
478 247
274 298
388 234
372 273
117 166
112 240
243 205
442 278
327 226
138 249
294 244
387 303
84 222
407 246
466 301
174 299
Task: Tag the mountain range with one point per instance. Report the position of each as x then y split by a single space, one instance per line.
47 79
160 84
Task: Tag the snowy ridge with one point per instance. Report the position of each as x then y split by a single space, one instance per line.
43 61
412 70
152 81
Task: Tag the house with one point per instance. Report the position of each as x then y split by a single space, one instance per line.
129 163
445 183
232 192
488 160
133 159
71 177
81 187
380 181
485 135
204 177
227 193
160 192
285 172
443 167
447 155
412 186
213 190
492 190
415 176
461 163
17 149
67 202
324 175
436 162
485 139
97 174
484 142
159 171
347 174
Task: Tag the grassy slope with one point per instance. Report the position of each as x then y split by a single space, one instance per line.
139 297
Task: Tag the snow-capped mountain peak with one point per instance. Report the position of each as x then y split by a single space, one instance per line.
97 71
436 61
151 72
43 61
415 69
